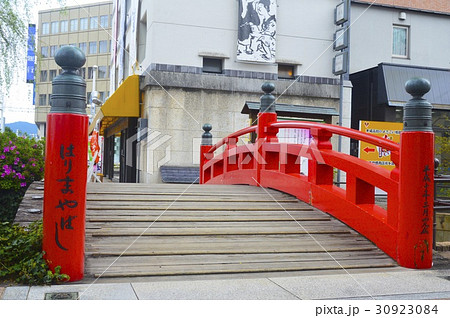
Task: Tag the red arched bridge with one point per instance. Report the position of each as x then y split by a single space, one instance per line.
403 229
157 230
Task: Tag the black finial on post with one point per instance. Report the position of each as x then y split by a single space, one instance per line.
69 88
436 166
207 136
417 111
267 100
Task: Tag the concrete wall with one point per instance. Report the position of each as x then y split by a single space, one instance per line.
371 37
177 112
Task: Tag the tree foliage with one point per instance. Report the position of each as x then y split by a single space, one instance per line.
13 32
21 256
443 146
14 18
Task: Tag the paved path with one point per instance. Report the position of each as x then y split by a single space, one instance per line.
400 285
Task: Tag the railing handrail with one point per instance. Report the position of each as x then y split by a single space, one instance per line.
343 131
403 229
236 134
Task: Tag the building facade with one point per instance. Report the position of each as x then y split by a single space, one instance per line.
200 62
204 61
399 32
87 27
392 41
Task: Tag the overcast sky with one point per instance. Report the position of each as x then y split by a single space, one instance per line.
18 105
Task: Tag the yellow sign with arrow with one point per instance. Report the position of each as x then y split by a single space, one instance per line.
375 154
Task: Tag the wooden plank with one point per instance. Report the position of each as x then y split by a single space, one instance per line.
178 189
348 238
197 218
217 224
210 199
216 231
194 205
243 268
126 261
93 208
199 212
189 241
222 248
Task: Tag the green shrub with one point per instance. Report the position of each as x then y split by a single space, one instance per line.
21 163
21 256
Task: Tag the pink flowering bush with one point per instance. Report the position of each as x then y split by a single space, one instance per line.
21 163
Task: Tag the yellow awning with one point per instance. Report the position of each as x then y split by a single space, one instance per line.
124 102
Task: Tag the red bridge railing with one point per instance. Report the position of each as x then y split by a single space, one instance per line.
403 230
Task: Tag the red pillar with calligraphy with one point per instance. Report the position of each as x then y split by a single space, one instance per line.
66 167
416 180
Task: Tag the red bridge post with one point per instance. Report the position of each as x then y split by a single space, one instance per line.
266 116
66 167
416 180
205 146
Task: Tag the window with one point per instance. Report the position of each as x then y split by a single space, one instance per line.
83 47
142 39
49 98
102 71
94 23
92 47
74 25
101 96
45 28
53 50
104 21
88 97
52 75
83 23
55 27
44 51
211 65
400 41
42 99
64 26
82 72
102 46
90 73
285 71
43 76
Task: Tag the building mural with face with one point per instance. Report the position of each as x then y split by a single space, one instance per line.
257 25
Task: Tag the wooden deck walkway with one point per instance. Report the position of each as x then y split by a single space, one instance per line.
136 230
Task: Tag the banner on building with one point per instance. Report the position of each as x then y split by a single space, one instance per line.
31 44
257 25
374 154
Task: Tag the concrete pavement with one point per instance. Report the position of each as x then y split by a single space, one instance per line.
400 284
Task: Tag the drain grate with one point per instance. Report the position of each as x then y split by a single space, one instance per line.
61 296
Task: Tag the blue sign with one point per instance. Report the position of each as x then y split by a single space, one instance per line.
31 43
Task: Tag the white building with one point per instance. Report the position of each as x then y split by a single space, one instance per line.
392 41
191 73
201 61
